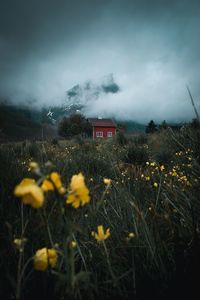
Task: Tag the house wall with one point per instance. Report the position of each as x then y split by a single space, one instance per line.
104 130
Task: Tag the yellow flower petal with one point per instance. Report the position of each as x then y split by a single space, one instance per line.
107 181
31 193
45 258
79 193
33 166
55 177
100 235
47 186
100 232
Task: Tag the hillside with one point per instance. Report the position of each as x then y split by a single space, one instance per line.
23 123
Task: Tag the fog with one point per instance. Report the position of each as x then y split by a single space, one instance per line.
152 48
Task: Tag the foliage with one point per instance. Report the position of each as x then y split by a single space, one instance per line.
137 234
121 138
151 127
75 124
195 124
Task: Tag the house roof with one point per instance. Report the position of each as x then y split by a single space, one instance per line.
97 122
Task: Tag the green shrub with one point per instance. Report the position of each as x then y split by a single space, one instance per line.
136 155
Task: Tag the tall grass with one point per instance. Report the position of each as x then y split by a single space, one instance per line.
158 205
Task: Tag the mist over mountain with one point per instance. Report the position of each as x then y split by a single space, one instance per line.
87 94
91 91
152 48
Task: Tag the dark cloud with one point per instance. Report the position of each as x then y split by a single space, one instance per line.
151 47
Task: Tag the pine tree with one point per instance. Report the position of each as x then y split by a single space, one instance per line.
151 127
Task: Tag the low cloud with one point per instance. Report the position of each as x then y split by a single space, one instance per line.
151 48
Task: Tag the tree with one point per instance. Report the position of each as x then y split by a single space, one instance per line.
151 127
163 125
75 124
195 124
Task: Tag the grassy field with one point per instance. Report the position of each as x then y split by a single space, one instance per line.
148 205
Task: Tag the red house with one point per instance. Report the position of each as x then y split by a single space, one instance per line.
102 128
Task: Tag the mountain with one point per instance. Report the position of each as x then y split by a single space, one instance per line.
78 98
131 126
82 94
30 123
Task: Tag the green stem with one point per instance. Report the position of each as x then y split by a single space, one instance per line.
102 198
109 264
21 252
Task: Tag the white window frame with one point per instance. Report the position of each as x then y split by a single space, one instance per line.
109 134
99 134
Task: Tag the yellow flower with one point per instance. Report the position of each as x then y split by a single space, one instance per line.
147 178
45 258
30 193
72 244
33 166
55 178
131 235
47 186
54 182
107 181
19 243
79 193
155 184
100 235
152 164
162 168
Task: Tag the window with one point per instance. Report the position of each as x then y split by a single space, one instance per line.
99 134
109 134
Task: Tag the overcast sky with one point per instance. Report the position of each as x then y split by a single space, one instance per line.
152 48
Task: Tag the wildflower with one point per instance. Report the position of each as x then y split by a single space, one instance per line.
55 178
30 193
107 181
45 258
19 243
152 164
155 184
79 193
34 167
162 168
47 186
147 178
54 182
72 244
147 163
100 235
131 235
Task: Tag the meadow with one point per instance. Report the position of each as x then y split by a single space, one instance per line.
114 219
